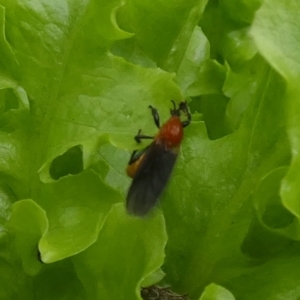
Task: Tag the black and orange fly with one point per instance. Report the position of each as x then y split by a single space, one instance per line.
151 167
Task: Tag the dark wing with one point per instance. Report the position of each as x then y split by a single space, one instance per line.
150 179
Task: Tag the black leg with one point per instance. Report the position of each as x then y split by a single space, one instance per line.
174 104
184 108
137 153
155 116
185 123
140 137
132 157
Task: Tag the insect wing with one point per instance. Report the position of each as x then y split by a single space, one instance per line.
150 179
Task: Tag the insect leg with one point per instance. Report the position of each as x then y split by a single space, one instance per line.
185 123
155 116
174 105
133 157
140 137
137 153
184 108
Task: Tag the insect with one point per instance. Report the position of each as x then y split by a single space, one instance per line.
151 167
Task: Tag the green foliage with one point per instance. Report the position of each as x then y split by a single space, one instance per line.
76 79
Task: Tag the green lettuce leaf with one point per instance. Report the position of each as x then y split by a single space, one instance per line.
135 250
